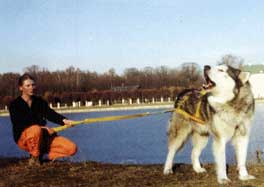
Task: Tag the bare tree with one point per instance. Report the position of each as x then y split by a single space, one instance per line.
74 84
232 60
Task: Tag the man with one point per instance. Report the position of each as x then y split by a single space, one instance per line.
28 114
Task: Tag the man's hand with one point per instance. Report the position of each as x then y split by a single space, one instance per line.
68 122
50 130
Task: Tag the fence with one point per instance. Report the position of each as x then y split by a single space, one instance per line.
100 103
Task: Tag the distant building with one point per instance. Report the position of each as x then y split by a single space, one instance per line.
257 84
125 88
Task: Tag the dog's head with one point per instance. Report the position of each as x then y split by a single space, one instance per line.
224 81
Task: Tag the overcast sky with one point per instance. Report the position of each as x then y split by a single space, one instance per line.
97 35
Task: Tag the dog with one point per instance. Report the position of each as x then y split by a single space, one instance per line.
225 111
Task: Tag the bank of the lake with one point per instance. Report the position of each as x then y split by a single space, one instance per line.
66 110
114 107
15 172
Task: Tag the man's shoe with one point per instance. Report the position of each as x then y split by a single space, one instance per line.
33 161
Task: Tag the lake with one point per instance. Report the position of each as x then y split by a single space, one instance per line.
133 141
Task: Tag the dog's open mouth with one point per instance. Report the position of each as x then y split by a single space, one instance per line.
209 83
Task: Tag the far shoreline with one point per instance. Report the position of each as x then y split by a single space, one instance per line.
103 108
114 107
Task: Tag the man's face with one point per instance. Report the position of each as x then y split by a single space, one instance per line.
28 87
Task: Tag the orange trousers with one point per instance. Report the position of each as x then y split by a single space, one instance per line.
30 141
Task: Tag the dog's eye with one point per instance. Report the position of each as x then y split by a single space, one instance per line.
220 70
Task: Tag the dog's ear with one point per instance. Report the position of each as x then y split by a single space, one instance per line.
233 72
244 76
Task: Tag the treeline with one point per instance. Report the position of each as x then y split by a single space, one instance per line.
73 84
254 68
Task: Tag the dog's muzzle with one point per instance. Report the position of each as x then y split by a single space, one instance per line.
209 83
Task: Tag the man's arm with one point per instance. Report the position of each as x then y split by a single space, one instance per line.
52 115
55 117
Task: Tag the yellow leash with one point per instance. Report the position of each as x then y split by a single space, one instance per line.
195 118
187 115
108 118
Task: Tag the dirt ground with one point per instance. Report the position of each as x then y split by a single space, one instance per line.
16 172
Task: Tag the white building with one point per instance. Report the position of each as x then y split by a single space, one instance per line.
257 84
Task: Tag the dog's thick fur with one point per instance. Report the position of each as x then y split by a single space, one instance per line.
227 110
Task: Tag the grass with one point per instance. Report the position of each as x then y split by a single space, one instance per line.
15 172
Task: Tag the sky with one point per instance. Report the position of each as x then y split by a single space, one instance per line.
98 35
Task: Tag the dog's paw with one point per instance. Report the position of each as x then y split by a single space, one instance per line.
167 171
199 170
247 177
224 181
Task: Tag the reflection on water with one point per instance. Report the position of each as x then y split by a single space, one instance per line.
133 141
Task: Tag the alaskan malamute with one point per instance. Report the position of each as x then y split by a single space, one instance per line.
225 110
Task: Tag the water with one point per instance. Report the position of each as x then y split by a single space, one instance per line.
133 141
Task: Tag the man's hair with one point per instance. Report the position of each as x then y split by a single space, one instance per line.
24 77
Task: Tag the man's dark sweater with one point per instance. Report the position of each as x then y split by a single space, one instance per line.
23 116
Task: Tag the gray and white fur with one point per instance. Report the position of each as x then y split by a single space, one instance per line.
227 110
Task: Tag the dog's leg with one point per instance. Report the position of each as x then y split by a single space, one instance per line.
199 143
172 149
240 143
175 142
220 159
